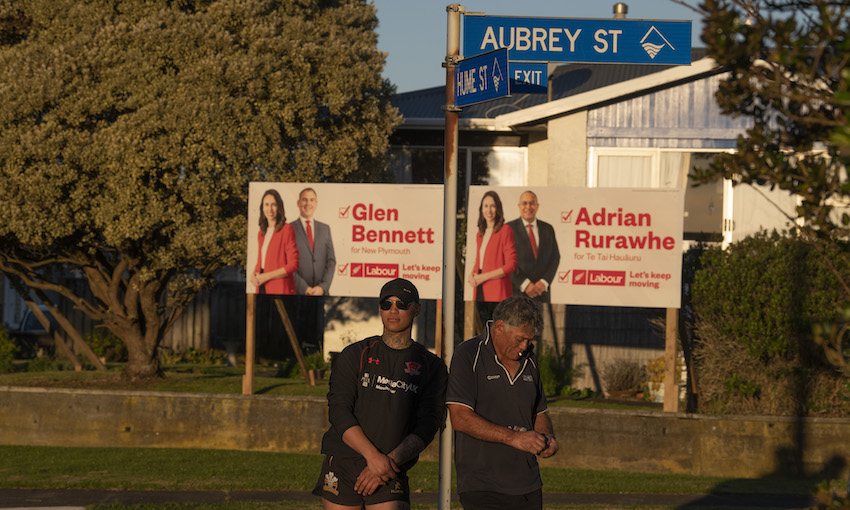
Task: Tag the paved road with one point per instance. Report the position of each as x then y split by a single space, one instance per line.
72 499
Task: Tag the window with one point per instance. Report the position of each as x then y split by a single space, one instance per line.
637 168
668 169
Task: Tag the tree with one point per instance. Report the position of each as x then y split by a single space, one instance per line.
788 65
129 131
785 59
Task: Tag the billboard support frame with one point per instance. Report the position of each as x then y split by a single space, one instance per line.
251 342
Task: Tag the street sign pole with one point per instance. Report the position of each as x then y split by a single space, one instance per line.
449 237
529 40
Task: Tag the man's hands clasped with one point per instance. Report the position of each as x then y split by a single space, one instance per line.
535 443
551 447
379 470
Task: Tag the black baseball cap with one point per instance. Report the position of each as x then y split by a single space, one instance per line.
403 289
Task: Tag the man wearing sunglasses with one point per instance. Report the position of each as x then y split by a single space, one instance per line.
386 403
498 410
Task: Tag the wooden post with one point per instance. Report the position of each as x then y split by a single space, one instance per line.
293 340
469 314
250 342
671 387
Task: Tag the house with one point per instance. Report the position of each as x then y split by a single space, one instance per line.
598 125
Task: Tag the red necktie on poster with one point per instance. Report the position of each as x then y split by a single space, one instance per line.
310 235
533 240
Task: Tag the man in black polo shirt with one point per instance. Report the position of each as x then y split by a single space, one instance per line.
498 410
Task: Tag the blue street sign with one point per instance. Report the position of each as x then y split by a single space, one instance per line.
610 41
529 77
482 78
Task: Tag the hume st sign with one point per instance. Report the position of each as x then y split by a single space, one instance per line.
482 78
611 41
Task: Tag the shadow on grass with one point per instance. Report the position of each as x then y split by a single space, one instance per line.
797 492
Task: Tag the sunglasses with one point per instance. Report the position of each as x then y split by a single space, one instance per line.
387 304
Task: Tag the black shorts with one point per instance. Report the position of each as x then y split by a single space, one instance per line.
485 500
337 479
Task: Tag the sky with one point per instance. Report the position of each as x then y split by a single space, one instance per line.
413 32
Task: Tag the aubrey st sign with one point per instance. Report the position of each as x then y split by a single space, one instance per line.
612 41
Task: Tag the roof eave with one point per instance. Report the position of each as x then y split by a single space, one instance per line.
580 101
440 123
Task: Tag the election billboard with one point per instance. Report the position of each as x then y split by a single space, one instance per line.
343 239
591 246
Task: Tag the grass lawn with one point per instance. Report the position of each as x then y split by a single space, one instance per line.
226 470
183 377
220 470
193 469
198 378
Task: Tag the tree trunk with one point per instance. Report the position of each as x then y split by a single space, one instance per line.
143 362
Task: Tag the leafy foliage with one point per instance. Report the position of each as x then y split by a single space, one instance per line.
755 305
192 356
8 349
129 132
785 60
788 65
554 374
42 365
656 367
314 361
105 344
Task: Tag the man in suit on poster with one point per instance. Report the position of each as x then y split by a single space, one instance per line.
316 259
537 251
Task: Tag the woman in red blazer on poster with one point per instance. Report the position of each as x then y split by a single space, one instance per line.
494 263
277 260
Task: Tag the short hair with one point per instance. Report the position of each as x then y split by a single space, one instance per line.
307 189
518 311
530 192
281 216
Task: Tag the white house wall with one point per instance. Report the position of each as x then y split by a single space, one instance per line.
538 159
567 162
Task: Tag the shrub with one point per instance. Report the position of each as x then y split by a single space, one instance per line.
41 365
554 372
105 344
655 369
168 356
8 349
623 375
208 357
314 361
288 369
755 306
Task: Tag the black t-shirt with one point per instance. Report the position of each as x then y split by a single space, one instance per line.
479 381
390 393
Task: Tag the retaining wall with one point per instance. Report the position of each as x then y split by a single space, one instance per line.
746 447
